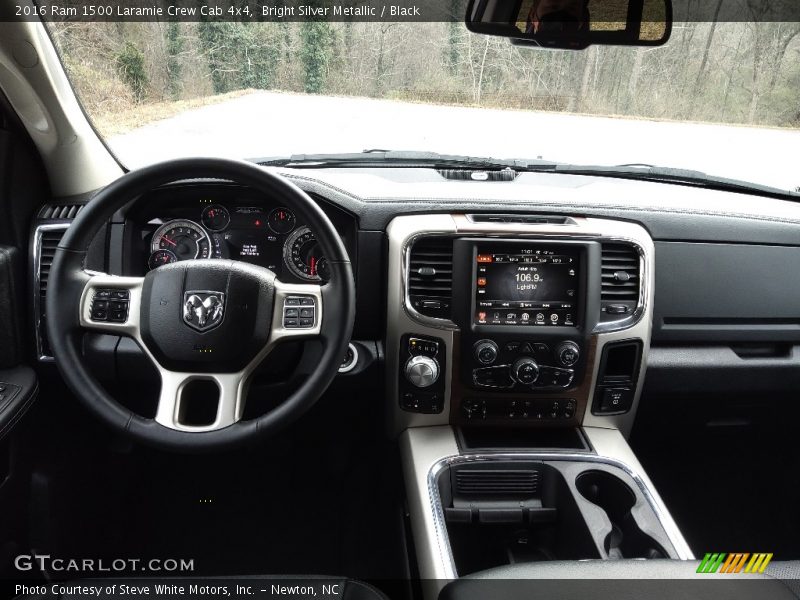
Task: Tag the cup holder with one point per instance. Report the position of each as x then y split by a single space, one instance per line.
616 498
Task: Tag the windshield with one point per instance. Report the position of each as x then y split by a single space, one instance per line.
723 98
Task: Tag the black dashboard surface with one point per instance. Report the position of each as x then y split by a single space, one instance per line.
692 228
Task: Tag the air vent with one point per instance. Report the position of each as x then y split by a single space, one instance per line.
620 283
60 211
430 276
478 175
46 239
523 219
497 482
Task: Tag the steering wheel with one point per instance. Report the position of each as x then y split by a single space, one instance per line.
198 320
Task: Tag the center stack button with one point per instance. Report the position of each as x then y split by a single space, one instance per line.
485 352
525 371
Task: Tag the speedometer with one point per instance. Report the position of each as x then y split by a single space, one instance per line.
184 238
303 255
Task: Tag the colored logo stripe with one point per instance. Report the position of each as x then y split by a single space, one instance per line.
734 562
711 562
758 563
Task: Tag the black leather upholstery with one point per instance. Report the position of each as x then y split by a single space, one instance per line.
623 580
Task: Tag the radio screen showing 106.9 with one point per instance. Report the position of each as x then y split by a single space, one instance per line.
527 287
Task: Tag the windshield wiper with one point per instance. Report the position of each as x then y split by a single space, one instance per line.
640 172
399 158
643 172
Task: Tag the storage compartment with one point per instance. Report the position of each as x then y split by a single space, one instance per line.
501 439
502 510
626 539
503 513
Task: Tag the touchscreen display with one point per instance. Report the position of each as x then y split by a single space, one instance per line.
527 286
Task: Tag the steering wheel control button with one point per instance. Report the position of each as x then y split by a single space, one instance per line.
299 312
110 306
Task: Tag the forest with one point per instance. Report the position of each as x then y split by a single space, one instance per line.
130 73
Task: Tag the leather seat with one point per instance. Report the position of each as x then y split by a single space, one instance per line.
624 580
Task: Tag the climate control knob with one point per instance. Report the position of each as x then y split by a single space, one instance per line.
568 353
422 371
485 352
525 371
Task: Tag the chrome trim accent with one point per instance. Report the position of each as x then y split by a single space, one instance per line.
402 318
36 265
526 231
193 301
476 383
530 386
426 375
401 321
154 246
347 367
666 521
644 288
408 244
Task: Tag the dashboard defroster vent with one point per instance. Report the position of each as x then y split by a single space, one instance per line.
497 482
430 276
478 175
59 211
522 219
620 280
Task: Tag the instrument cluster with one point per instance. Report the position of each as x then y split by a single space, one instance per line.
268 237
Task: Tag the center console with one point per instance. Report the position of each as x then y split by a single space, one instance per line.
583 496
516 346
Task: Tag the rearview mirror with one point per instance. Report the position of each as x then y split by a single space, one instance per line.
573 24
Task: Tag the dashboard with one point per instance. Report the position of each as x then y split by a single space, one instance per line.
538 302
227 222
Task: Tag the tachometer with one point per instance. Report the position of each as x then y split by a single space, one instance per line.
184 238
215 217
303 255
